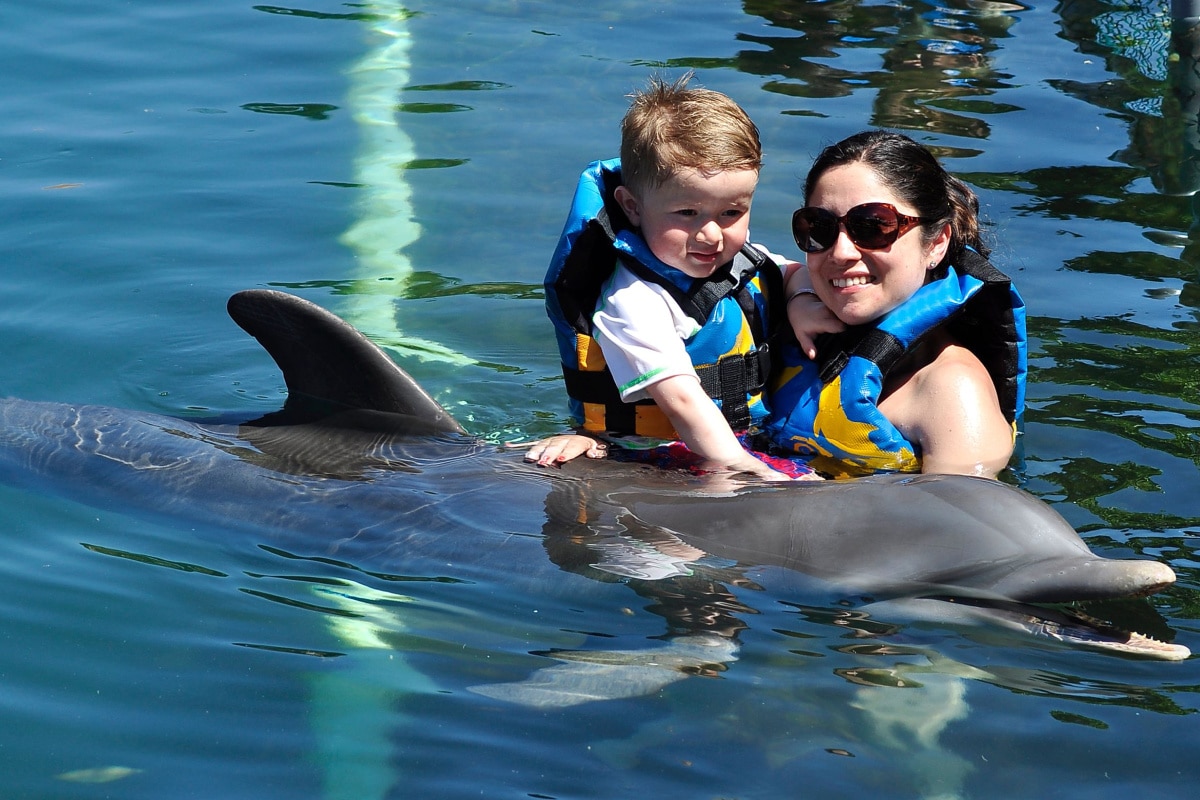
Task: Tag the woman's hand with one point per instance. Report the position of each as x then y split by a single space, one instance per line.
809 318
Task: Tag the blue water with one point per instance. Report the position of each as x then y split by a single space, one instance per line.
409 168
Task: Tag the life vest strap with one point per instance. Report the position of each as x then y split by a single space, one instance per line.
597 389
872 344
591 386
990 323
734 379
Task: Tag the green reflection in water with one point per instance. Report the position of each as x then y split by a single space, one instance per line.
431 108
154 561
299 12
927 70
1137 359
432 163
458 86
313 111
1149 381
1090 191
422 285
1141 264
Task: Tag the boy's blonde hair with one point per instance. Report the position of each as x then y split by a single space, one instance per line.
670 127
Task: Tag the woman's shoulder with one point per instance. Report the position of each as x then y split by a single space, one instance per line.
950 408
952 367
948 386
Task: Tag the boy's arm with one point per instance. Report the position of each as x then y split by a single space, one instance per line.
642 337
808 316
696 419
702 428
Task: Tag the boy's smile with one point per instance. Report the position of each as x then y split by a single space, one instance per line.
695 221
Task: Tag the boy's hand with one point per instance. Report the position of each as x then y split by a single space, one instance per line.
809 317
752 466
562 448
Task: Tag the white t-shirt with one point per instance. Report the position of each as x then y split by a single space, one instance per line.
641 330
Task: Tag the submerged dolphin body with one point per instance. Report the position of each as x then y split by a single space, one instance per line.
363 467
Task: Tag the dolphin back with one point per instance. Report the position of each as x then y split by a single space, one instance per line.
331 368
905 534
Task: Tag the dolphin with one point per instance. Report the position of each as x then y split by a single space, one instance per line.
362 467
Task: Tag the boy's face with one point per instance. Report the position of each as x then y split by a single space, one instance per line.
695 221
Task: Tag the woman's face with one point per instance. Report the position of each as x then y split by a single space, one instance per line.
862 285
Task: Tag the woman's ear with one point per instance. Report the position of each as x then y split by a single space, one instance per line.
938 248
629 204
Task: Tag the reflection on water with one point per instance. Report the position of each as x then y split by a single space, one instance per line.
1158 86
927 67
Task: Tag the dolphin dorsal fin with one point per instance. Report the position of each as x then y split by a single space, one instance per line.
328 365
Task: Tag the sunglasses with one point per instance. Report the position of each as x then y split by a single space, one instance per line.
871 226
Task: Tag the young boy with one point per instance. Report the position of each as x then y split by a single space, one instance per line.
673 350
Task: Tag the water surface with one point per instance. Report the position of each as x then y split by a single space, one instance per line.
409 167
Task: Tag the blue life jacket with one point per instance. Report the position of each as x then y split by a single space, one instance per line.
729 352
828 410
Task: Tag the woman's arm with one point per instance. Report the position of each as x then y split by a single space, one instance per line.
949 407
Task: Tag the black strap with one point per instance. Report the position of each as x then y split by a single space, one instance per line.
770 331
697 301
733 379
867 342
990 330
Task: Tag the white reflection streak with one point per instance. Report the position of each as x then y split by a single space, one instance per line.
386 225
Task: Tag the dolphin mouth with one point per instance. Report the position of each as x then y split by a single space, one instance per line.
1071 626
1074 579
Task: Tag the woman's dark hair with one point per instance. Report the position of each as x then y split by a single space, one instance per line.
912 173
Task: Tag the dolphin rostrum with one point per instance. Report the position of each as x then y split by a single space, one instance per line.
362 466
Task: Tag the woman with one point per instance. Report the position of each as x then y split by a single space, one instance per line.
928 370
925 368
